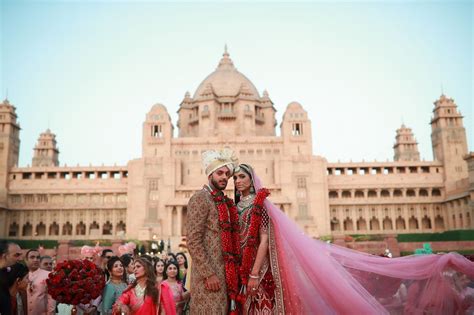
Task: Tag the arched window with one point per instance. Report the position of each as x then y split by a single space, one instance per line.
348 225
359 194
411 193
13 229
333 194
107 228
400 223
439 222
120 227
385 193
80 228
397 193
94 228
374 224
361 224
40 229
436 192
372 194
426 222
67 228
346 194
387 223
413 223
335 226
423 193
54 229
27 229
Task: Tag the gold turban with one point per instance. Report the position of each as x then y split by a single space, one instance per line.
214 159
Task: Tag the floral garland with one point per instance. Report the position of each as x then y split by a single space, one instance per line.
230 240
250 250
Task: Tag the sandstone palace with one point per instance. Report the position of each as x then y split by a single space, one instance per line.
148 196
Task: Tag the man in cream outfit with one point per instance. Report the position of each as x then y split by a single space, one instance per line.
38 300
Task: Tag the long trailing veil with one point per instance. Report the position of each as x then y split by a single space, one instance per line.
321 278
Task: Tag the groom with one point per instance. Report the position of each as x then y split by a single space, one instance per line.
208 279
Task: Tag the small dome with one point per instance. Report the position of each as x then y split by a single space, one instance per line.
226 80
294 106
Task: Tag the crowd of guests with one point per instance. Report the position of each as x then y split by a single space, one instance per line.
135 284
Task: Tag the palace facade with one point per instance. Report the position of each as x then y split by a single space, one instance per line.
148 196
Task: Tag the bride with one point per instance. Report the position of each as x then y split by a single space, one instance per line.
283 271
261 285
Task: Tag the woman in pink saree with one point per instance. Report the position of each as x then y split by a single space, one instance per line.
144 296
313 277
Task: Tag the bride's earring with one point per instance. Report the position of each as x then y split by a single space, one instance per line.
252 190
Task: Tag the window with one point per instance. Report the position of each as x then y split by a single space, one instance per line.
297 129
301 182
385 193
153 184
54 229
157 131
120 227
13 230
107 228
27 229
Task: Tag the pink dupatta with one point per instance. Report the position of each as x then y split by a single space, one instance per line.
321 278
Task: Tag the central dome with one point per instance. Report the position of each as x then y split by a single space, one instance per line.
226 81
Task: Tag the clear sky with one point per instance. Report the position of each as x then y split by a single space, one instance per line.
91 70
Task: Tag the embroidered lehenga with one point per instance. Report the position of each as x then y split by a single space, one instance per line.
269 298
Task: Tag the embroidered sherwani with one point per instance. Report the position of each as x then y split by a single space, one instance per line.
38 299
204 244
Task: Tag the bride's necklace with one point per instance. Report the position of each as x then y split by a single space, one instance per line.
139 291
245 198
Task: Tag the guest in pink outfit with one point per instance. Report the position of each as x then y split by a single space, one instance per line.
144 296
38 299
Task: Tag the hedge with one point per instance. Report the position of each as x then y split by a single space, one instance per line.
367 237
456 235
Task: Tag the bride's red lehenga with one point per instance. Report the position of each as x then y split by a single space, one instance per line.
265 298
302 275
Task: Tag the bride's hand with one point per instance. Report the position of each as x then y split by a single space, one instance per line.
252 286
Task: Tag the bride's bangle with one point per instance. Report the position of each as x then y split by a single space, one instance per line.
253 277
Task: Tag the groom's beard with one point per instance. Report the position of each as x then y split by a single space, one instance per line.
221 185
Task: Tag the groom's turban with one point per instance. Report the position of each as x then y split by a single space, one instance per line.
214 159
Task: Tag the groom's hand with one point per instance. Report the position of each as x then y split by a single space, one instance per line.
212 283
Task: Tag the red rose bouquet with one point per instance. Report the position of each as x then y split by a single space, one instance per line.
75 282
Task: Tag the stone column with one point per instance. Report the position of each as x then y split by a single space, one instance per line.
179 210
169 215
